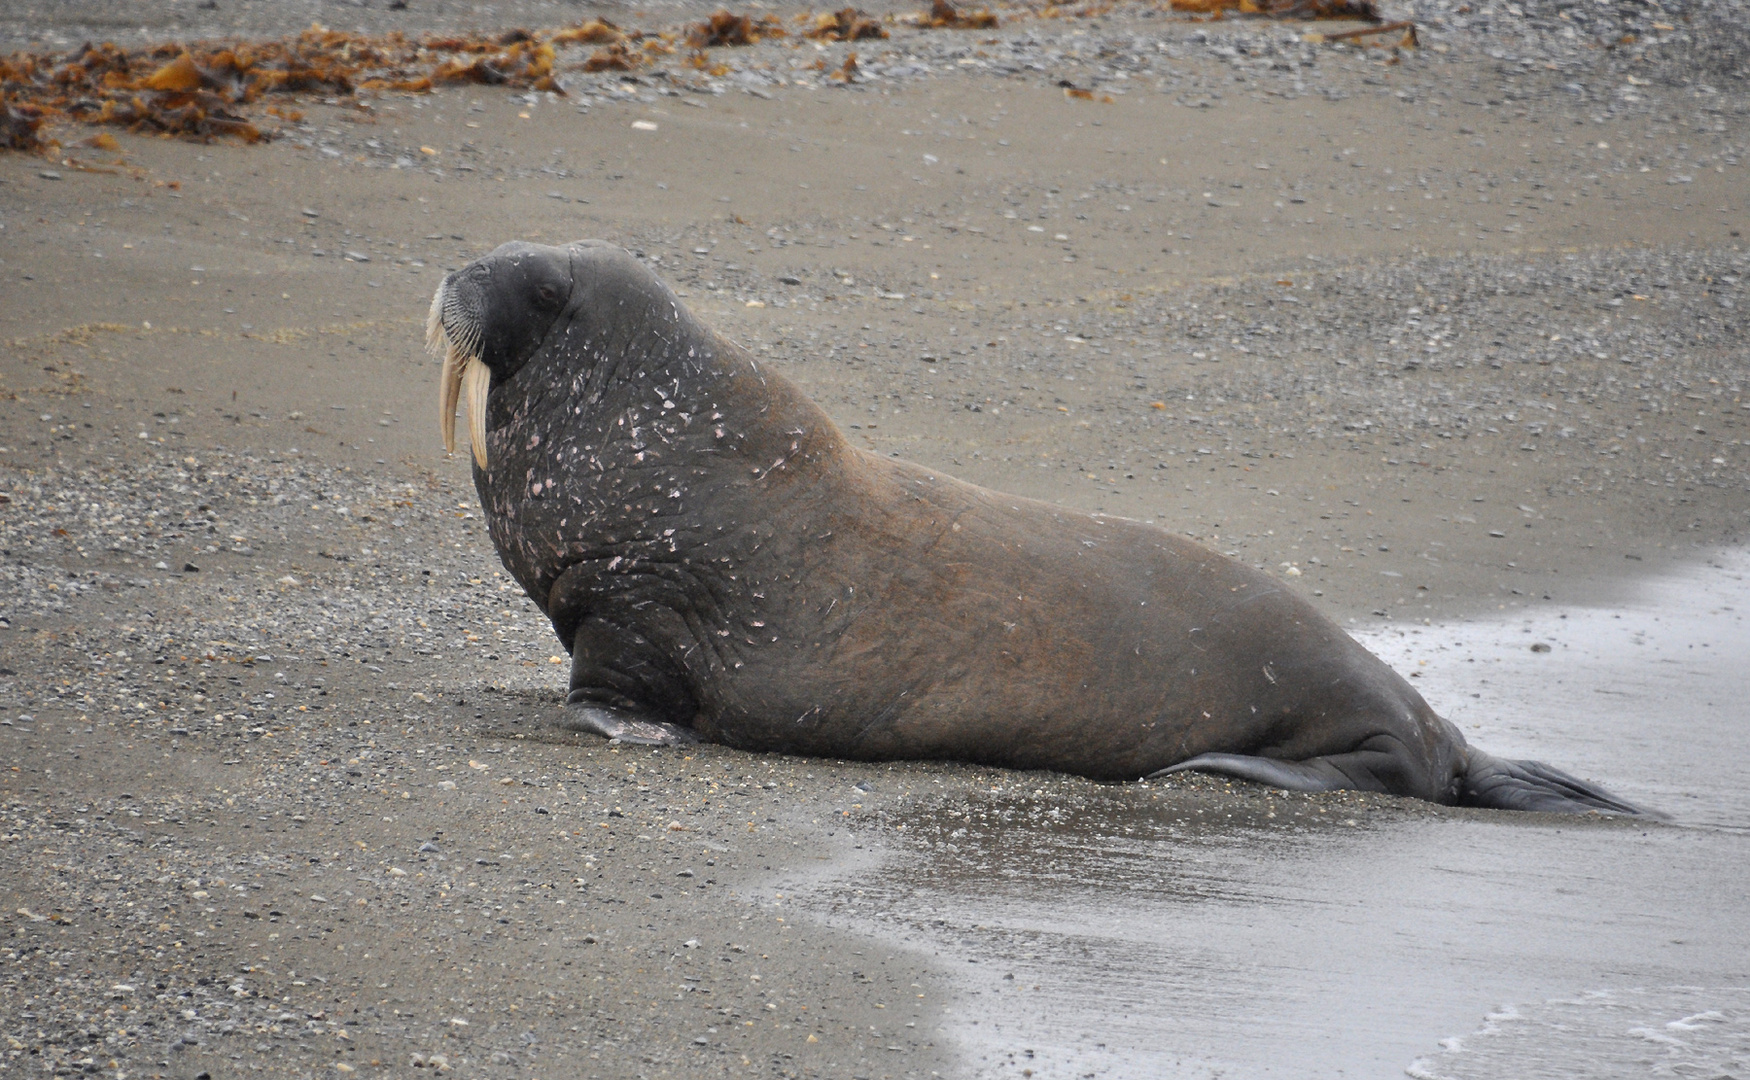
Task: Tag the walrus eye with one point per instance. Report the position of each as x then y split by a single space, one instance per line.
547 293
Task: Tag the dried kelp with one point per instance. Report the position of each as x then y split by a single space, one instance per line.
1077 93
846 25
847 72
208 90
523 63
1310 10
725 28
21 125
945 16
593 32
1409 40
617 56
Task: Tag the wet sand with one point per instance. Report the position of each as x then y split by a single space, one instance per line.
1422 338
1198 929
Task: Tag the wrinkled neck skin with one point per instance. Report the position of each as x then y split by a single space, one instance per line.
603 443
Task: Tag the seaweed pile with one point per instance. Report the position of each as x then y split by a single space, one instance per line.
206 91
211 90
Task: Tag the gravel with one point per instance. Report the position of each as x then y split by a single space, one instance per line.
276 792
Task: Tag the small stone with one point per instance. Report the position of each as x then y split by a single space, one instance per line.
190 568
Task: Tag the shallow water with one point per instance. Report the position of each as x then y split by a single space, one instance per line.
1649 698
1120 939
1679 1031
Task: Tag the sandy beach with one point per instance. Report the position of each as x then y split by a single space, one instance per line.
1433 334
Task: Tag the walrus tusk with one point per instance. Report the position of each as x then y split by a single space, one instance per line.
437 342
477 379
466 379
449 388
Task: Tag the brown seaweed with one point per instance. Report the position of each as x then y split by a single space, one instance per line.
1309 10
726 28
617 56
207 90
593 32
945 16
21 125
848 24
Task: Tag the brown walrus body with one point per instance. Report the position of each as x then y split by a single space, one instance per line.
723 565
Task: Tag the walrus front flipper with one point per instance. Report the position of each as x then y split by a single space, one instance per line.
1500 784
1314 774
620 685
616 724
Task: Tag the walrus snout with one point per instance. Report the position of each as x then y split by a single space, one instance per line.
486 320
453 331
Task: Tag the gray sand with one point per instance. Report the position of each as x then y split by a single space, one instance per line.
1458 334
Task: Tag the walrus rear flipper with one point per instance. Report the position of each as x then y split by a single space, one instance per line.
1499 784
1489 782
1344 772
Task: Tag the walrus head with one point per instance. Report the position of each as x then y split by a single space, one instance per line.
487 319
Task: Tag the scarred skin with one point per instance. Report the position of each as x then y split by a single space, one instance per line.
722 564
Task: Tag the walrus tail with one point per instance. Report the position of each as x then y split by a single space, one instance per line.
1498 784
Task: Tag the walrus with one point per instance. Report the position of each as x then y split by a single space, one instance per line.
722 565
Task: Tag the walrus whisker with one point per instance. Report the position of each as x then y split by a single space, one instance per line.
435 337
